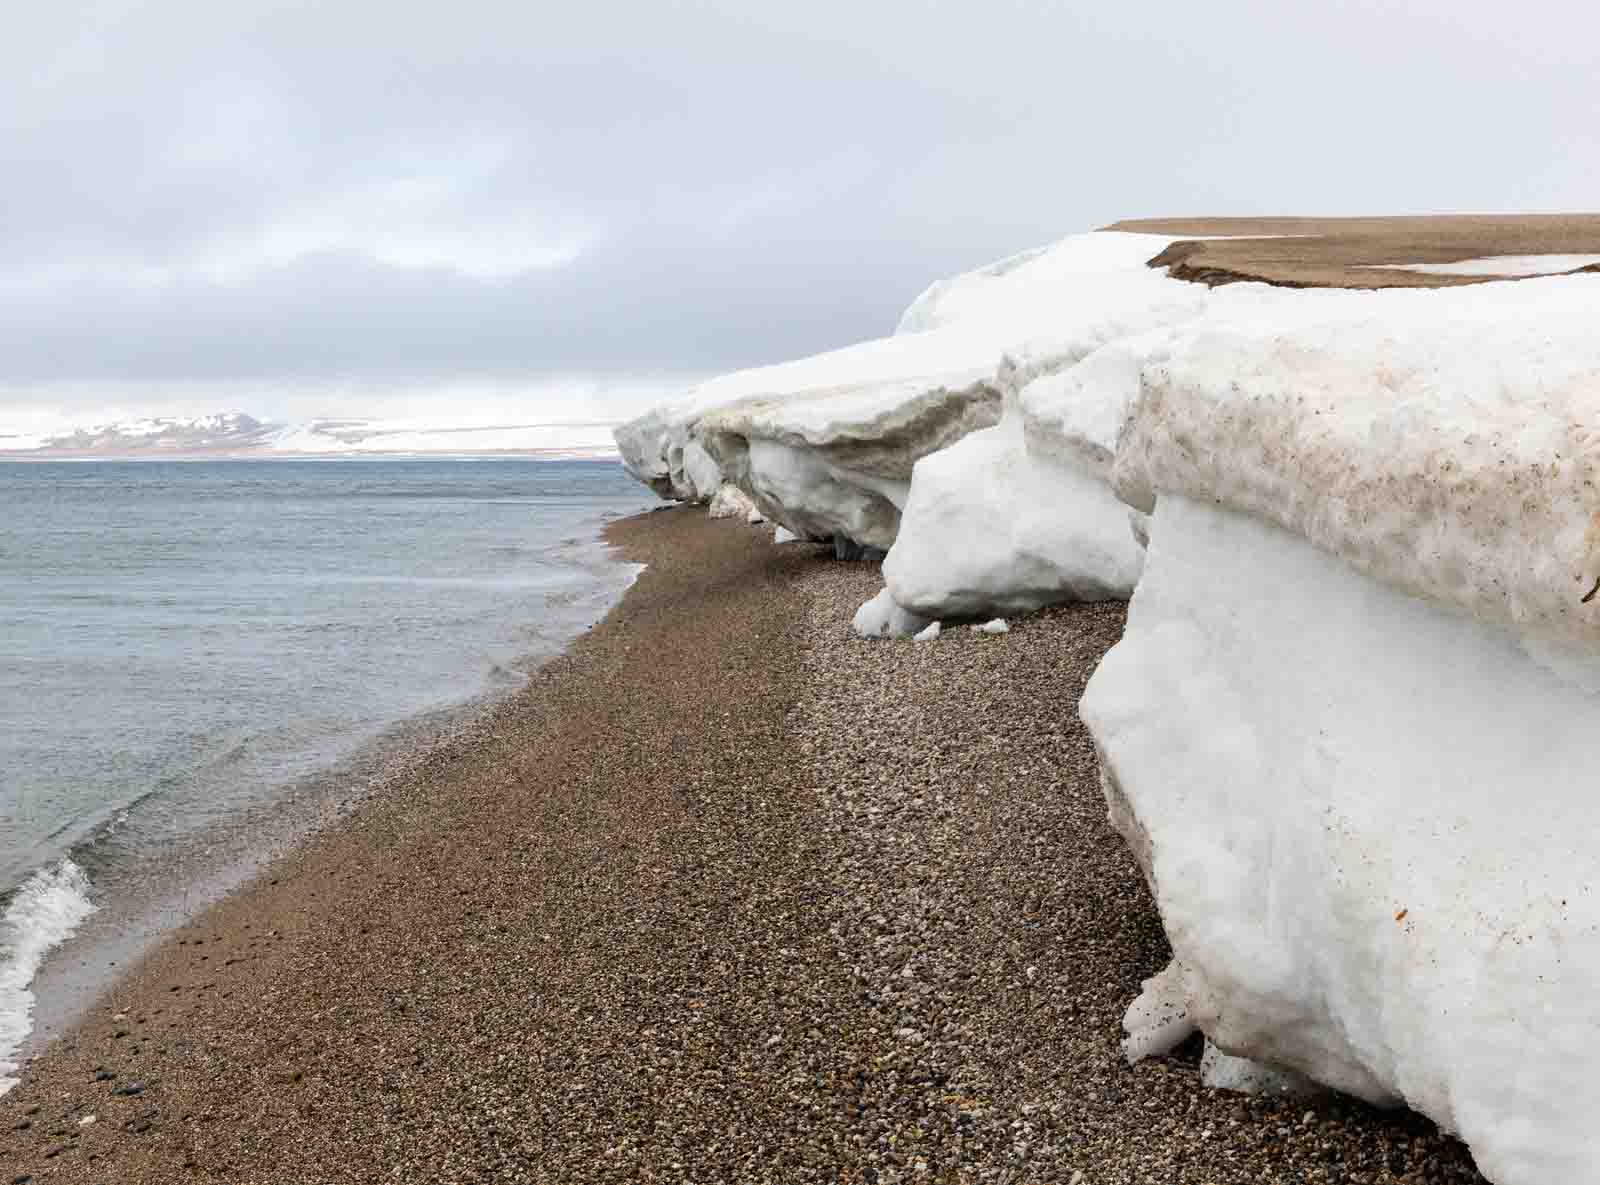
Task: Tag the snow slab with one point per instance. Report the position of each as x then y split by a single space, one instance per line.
1498 265
1369 826
826 445
1440 441
991 527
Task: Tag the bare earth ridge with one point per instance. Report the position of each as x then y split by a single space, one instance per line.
1348 252
725 895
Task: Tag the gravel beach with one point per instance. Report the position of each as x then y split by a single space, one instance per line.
725 895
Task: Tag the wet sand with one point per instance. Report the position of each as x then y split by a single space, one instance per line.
724 895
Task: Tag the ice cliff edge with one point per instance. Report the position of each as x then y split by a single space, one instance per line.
1350 729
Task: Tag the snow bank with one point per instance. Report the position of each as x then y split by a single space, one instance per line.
827 445
1348 730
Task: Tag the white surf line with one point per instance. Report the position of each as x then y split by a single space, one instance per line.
47 907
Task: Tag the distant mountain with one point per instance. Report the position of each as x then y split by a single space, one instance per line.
224 432
236 434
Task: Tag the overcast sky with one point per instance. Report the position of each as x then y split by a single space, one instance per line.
355 203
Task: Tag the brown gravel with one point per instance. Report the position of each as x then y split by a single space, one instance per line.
726 896
1342 252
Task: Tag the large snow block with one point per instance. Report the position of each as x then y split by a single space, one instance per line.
990 527
1369 823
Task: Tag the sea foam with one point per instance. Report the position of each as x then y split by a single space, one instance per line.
45 909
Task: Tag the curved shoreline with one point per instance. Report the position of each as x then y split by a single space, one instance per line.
724 895
141 897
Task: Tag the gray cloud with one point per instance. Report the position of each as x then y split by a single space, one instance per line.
295 191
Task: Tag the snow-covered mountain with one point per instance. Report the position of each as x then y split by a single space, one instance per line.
236 434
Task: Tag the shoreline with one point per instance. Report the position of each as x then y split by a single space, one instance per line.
139 897
724 894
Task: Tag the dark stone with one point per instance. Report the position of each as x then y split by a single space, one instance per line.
104 1076
131 1089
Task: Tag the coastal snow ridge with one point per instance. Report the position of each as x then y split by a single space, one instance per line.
1350 730
827 445
1022 515
45 909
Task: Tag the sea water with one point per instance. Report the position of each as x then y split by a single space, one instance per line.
185 647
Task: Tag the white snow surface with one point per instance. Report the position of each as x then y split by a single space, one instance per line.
1498 265
45 909
1368 824
990 526
826 445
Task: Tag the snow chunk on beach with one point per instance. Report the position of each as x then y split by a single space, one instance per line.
45 909
990 527
882 618
1443 442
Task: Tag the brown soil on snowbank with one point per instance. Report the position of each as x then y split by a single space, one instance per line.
1350 252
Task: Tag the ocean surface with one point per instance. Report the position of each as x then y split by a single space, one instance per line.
197 656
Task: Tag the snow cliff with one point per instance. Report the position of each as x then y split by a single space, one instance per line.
1349 728
827 445
1348 732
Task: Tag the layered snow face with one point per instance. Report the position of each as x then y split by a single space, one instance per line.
1369 827
1442 442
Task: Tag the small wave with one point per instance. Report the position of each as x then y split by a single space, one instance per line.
45 909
